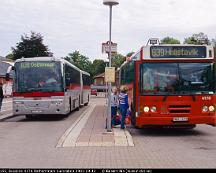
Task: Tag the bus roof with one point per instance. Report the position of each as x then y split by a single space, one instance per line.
83 72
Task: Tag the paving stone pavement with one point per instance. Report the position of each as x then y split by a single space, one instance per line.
89 130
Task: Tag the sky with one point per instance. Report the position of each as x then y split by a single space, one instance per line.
83 25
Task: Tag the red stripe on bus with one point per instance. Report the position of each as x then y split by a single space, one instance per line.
74 86
86 87
38 94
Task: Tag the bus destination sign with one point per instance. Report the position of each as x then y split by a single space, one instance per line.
37 65
178 52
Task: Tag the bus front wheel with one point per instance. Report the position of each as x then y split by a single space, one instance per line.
133 116
29 117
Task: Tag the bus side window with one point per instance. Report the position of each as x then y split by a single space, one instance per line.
67 75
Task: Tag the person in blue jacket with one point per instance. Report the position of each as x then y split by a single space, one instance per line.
123 104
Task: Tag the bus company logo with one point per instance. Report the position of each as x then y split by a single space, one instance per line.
206 98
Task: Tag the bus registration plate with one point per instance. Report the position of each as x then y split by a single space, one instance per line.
37 111
180 119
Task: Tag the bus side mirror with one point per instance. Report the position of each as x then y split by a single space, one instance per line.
10 68
7 76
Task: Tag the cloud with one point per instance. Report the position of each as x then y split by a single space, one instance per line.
69 25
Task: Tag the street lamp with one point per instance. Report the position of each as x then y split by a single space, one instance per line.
110 3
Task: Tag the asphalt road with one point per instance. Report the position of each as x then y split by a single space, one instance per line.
32 144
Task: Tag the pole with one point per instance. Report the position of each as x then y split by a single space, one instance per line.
109 128
106 96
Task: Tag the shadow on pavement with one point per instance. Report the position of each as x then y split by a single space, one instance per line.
45 118
35 118
160 131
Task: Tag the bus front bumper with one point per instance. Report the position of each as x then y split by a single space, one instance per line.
39 107
169 121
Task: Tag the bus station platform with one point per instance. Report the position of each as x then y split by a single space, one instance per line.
89 130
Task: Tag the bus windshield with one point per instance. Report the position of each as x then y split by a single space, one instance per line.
177 78
38 76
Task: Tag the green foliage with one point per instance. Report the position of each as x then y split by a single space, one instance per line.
98 66
170 40
80 61
30 47
10 56
197 39
117 60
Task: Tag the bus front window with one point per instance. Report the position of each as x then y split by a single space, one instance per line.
176 78
198 77
38 76
159 77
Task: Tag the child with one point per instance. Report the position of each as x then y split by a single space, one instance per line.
123 104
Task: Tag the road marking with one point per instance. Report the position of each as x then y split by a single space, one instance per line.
70 136
129 139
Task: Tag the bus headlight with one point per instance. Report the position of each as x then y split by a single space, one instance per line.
205 109
153 109
146 109
211 108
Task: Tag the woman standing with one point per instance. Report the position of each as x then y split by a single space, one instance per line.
123 104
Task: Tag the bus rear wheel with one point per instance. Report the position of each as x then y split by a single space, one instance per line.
78 107
86 104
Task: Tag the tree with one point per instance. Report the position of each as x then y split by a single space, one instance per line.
170 40
197 39
30 47
98 66
10 56
117 60
80 61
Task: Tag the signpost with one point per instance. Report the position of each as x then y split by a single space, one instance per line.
110 74
105 47
110 3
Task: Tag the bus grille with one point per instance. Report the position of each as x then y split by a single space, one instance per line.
179 109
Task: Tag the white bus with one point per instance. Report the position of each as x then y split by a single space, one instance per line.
48 85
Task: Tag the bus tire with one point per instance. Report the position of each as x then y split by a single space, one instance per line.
133 117
29 117
78 107
86 104
70 103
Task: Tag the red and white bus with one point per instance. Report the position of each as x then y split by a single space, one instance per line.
171 85
48 85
